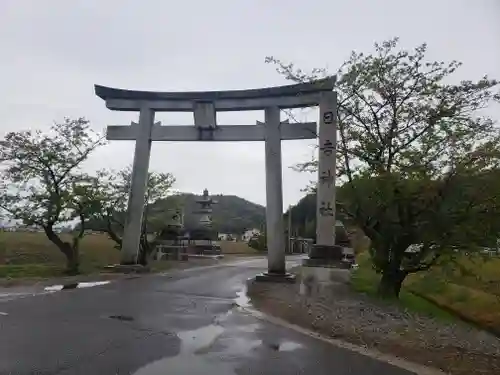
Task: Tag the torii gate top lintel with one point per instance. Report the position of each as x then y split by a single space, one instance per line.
288 96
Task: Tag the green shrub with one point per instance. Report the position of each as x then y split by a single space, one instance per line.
258 243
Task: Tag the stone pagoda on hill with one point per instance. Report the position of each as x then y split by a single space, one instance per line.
203 237
204 213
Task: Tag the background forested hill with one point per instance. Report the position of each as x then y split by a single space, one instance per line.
231 214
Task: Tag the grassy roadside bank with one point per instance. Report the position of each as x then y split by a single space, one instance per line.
336 310
446 294
25 255
30 257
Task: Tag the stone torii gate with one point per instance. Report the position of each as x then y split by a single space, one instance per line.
205 105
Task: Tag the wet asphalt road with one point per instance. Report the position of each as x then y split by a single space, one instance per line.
186 322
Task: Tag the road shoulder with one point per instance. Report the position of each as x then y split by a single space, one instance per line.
337 313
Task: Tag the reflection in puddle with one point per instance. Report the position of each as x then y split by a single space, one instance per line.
198 339
206 351
249 328
288 346
191 359
239 346
216 348
285 346
219 319
242 299
194 365
56 288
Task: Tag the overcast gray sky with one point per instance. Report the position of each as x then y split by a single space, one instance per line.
54 51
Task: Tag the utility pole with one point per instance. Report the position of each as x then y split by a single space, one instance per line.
290 229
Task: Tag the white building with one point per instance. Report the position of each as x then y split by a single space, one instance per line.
249 234
226 237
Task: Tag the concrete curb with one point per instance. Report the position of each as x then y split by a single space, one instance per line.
392 360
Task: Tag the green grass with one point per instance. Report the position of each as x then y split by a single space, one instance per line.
30 270
443 294
238 248
32 255
470 304
365 280
477 272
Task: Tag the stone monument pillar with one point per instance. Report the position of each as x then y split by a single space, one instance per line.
174 222
325 252
169 241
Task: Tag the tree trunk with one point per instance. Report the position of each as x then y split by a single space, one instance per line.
142 257
112 234
390 283
70 252
144 245
145 249
72 261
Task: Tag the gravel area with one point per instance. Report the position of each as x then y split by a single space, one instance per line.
333 309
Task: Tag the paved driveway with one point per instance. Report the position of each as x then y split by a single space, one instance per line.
186 322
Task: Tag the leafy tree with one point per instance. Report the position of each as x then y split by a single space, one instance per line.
413 147
304 217
42 182
446 217
259 242
110 205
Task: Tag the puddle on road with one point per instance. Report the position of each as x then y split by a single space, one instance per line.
248 328
288 346
216 349
242 299
199 339
192 358
285 346
240 347
56 288
206 350
196 346
195 365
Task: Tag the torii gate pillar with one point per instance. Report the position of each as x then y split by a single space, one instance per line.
135 209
